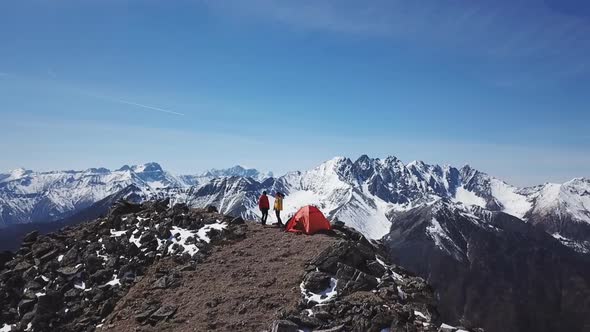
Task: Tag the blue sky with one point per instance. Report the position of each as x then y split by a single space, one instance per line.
284 85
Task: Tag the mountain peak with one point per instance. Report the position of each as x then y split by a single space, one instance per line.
125 168
364 158
15 174
147 167
19 172
364 162
417 163
392 159
100 170
237 170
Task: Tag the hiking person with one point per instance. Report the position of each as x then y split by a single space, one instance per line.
279 207
264 206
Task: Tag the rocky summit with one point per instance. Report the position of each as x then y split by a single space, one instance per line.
152 267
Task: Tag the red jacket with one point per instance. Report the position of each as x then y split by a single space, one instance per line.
263 202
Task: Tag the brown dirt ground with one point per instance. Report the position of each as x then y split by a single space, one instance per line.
239 287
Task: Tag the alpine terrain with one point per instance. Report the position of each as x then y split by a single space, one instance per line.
500 257
152 267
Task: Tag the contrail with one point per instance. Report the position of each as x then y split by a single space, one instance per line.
145 106
116 100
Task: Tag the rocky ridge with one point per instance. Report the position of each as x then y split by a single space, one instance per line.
73 280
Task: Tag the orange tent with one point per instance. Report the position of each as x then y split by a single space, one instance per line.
309 220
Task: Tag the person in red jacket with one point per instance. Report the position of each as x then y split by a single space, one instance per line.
264 206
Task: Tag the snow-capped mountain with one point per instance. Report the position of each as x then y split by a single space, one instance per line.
483 243
481 262
30 197
366 193
237 171
40 197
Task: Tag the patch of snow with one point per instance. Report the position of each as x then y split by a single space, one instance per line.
6 328
39 294
322 297
180 235
114 282
468 198
512 202
395 275
117 233
105 258
203 231
44 278
81 285
442 239
135 240
60 257
29 327
421 315
579 246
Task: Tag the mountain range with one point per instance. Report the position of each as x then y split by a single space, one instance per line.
366 193
501 257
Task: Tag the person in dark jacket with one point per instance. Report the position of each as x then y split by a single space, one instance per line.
264 206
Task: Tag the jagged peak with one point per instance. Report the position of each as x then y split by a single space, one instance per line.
364 157
237 170
417 163
15 174
334 163
467 167
392 159
147 167
99 170
19 172
125 168
578 181
336 160
365 162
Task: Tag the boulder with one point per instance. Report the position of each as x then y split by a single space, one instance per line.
26 305
166 282
124 207
144 314
352 280
375 268
101 277
163 313
70 257
237 221
31 237
284 326
316 281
